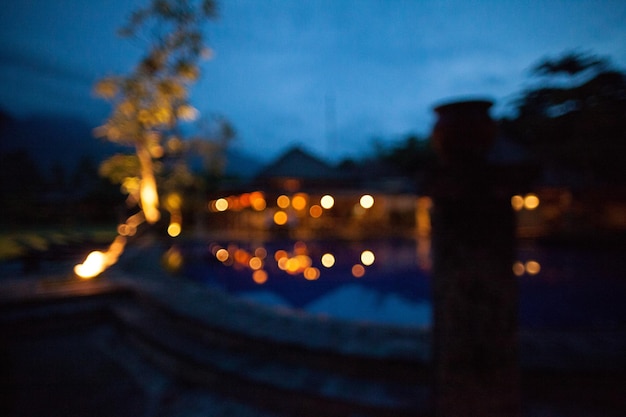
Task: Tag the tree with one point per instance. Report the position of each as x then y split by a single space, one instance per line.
410 156
574 119
149 102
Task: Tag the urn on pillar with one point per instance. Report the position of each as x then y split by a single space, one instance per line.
464 131
474 290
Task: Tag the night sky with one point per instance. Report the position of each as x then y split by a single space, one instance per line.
330 75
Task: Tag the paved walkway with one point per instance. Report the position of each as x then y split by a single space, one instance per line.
138 342
204 346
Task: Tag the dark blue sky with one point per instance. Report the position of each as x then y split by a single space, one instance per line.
280 66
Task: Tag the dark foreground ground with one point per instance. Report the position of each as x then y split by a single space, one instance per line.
120 346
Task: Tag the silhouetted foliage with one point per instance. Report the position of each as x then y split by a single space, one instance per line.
574 119
20 184
149 102
409 157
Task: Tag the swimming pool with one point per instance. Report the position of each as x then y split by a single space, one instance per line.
377 280
388 280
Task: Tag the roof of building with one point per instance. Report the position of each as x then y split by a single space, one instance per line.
298 163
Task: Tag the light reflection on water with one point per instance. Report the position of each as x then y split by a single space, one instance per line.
388 280
377 280
572 287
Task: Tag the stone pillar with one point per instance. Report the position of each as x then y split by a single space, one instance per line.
475 294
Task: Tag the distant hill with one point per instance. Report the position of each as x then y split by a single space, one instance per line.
65 141
52 141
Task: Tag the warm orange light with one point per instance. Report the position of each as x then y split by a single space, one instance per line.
327 201
187 112
292 266
328 260
303 261
221 204
96 262
130 185
533 267
282 263
518 269
311 273
173 259
299 201
257 201
255 263
126 230
531 201
299 248
234 203
315 211
244 200
173 202
282 201
280 254
136 219
358 270
423 207
366 201
149 199
222 255
174 144
241 256
174 229
367 257
280 218
517 202
259 276
93 265
156 151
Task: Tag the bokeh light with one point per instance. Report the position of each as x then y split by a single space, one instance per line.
311 273
221 204
257 201
315 211
531 201
93 265
173 259
282 201
518 269
358 270
222 255
280 218
299 201
517 202
327 201
367 257
173 201
259 276
244 200
533 267
255 263
366 201
328 260
280 254
174 229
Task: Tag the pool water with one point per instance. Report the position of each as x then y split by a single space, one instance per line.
578 288
559 287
